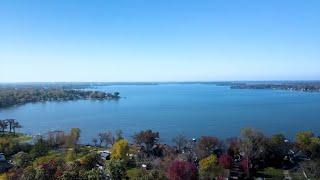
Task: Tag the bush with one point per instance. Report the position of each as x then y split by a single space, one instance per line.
40 148
21 159
115 169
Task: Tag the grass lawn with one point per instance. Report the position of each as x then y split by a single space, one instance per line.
18 136
298 175
3 176
272 173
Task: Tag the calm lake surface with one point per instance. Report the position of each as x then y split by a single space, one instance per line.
172 109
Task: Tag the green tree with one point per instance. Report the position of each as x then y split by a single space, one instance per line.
74 137
306 140
40 148
277 149
115 169
94 174
21 159
29 173
40 174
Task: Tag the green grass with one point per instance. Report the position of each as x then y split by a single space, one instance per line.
272 173
17 136
297 175
3 176
134 173
24 138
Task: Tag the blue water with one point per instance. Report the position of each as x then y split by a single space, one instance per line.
172 109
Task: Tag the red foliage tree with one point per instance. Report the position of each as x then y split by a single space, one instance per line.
182 170
225 161
244 164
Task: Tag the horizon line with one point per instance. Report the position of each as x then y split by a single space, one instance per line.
215 81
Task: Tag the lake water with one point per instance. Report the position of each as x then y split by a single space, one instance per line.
172 109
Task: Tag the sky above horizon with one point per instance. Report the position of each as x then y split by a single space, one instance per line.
159 40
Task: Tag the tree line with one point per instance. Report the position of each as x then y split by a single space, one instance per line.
59 155
15 96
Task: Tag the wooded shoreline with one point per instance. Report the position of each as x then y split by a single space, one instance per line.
18 96
59 155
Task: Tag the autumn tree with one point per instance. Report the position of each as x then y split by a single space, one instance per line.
206 146
225 161
180 141
56 138
233 146
182 170
120 150
147 138
75 136
253 145
209 168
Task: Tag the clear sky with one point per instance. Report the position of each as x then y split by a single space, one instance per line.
159 40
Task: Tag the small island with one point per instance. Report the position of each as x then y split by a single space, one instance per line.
16 96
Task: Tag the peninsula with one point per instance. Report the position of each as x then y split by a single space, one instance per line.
16 96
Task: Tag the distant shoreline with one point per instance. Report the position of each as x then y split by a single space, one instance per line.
18 96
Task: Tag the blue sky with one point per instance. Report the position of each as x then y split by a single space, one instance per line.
159 40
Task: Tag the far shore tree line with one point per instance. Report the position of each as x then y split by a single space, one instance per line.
16 96
60 155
